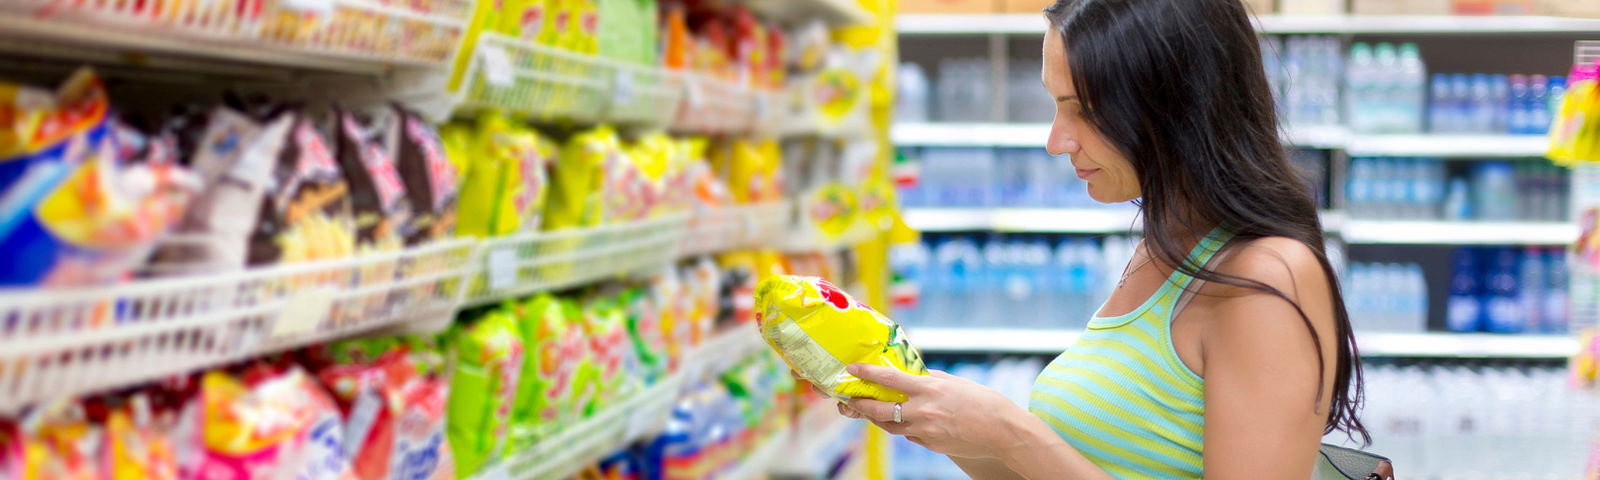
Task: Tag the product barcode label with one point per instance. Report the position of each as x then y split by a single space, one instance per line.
502 268
497 69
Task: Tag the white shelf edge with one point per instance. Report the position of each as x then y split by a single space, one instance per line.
1030 23
1458 233
761 459
1448 145
1045 220
1034 135
1464 345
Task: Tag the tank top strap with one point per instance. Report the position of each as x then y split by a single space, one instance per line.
1201 255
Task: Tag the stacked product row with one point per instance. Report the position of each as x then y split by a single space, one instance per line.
714 424
389 408
1455 422
990 177
1383 188
1007 282
96 200
1508 290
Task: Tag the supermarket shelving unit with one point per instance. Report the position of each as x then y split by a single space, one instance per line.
1320 137
632 418
978 24
1050 342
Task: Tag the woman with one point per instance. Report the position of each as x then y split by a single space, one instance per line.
1225 352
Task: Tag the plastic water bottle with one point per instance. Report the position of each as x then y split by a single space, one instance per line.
1458 203
1555 293
1461 101
957 266
1386 96
1553 96
1504 312
1499 100
1358 189
1439 117
1417 290
1030 285
1530 288
1360 80
1483 109
1539 104
1518 119
910 262
1464 309
992 301
914 95
1413 77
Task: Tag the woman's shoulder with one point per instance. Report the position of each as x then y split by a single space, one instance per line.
1283 263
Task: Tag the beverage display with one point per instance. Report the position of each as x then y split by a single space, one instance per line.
972 177
1508 290
1401 188
1009 282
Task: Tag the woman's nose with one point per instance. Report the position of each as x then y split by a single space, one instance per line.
1060 143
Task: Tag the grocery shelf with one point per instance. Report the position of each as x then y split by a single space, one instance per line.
360 36
1316 136
1466 345
63 342
1042 220
1458 233
1439 145
969 134
836 12
522 264
636 416
756 463
59 343
735 227
821 438
974 24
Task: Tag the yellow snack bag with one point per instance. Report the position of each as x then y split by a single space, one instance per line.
524 19
577 182
818 330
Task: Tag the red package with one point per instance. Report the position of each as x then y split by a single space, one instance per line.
395 418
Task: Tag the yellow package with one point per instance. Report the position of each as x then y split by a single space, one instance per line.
583 36
522 158
524 19
818 330
577 184
480 181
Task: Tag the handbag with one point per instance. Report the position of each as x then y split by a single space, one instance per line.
1339 463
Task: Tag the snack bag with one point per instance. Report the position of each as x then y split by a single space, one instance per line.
283 426
649 338
396 417
523 156
524 19
308 217
235 158
431 180
584 34
615 361
703 283
818 330
55 443
377 196
577 184
483 390
480 181
556 349
136 448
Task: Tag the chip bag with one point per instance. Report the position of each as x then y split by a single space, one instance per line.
483 390
818 329
556 347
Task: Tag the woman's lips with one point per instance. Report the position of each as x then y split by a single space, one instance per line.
1084 173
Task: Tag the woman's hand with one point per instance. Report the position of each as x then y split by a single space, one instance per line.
945 413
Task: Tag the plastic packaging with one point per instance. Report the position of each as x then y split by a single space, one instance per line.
483 390
818 330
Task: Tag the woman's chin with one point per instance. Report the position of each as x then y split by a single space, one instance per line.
1109 197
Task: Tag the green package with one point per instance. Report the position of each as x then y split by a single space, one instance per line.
556 349
483 390
647 333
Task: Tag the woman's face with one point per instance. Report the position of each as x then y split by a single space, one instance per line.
1111 177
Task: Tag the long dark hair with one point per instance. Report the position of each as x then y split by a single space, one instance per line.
1177 86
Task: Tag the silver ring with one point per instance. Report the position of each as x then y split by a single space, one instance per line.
897 413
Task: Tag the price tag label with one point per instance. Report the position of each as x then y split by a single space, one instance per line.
692 94
319 7
640 422
303 312
623 93
502 268
499 471
497 69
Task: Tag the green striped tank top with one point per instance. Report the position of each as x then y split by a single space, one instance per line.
1121 396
